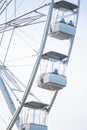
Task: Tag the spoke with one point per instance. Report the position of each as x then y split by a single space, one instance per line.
24 20
3 5
8 47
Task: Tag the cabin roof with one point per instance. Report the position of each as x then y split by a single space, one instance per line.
35 105
65 4
53 55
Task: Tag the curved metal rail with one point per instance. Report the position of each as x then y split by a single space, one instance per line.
29 85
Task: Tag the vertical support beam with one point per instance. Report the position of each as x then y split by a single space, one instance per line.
72 39
70 49
78 12
51 104
15 9
33 74
6 12
8 99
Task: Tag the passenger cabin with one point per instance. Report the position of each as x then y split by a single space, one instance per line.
64 25
52 80
34 116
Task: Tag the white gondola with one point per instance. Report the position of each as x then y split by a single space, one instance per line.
37 112
52 80
62 29
60 22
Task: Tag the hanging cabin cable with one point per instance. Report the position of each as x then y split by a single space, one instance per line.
27 43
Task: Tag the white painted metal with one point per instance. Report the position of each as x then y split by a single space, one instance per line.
52 81
62 30
8 99
34 69
70 49
72 39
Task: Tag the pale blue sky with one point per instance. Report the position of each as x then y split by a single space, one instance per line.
69 111
70 108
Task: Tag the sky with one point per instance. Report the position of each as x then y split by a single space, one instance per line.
69 111
70 108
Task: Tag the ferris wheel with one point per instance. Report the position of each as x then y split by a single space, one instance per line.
36 41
